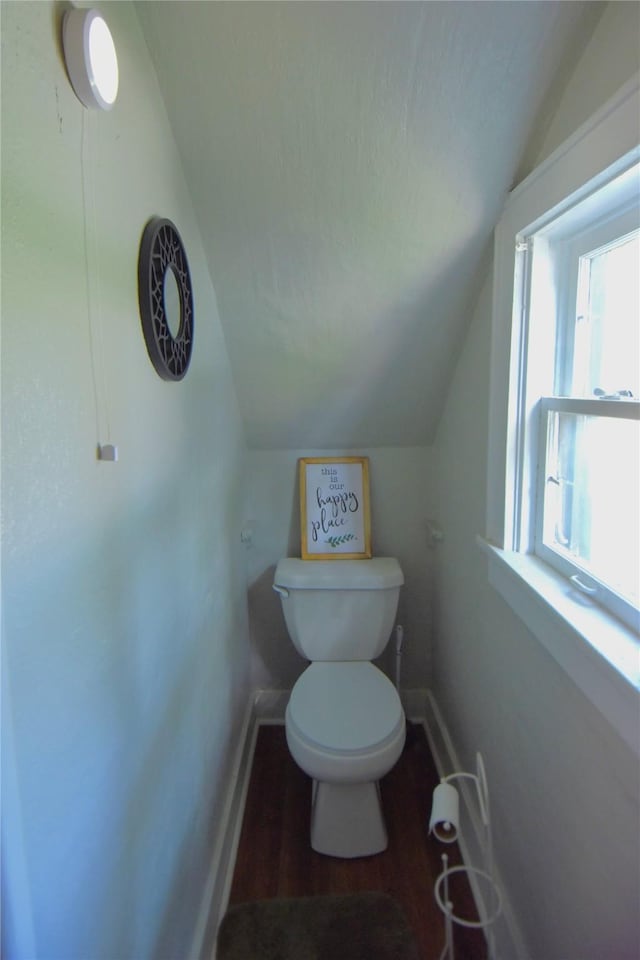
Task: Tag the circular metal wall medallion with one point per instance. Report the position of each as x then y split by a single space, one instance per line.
161 251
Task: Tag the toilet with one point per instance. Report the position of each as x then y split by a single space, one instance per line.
344 722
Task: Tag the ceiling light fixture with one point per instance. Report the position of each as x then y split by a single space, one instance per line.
90 55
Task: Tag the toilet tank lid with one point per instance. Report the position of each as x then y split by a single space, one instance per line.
378 573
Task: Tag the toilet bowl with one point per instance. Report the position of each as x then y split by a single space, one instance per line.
344 722
345 728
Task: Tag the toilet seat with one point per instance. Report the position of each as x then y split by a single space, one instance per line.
345 722
345 707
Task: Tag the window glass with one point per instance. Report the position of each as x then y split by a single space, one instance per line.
606 354
591 502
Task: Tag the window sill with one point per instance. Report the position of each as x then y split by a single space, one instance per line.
601 655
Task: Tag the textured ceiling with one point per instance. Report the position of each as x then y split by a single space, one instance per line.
348 162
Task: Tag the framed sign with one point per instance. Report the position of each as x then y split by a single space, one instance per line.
334 508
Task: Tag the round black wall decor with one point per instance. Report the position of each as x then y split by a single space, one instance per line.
162 267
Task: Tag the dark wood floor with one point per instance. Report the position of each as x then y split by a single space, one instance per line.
275 858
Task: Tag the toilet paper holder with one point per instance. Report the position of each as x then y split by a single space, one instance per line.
444 820
444 823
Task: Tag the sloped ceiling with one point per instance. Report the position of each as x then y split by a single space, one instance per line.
348 162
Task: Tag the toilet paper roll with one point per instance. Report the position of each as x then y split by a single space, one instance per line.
445 813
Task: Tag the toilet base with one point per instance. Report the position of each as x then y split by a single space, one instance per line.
346 819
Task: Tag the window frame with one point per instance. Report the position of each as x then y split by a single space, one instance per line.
553 257
587 583
568 252
600 654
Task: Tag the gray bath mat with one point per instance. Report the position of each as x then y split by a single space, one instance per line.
360 926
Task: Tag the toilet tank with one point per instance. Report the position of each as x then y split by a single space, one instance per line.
339 609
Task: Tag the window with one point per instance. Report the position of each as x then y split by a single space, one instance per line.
581 311
562 465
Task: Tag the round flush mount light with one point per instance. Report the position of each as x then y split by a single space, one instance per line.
90 55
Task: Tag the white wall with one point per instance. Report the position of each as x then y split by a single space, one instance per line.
125 635
564 786
607 62
400 480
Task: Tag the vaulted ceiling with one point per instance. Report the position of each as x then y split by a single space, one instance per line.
348 162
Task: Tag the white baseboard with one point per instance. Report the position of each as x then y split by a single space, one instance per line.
264 707
414 703
215 896
270 705
508 942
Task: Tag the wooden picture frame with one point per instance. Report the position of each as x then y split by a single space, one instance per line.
334 508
